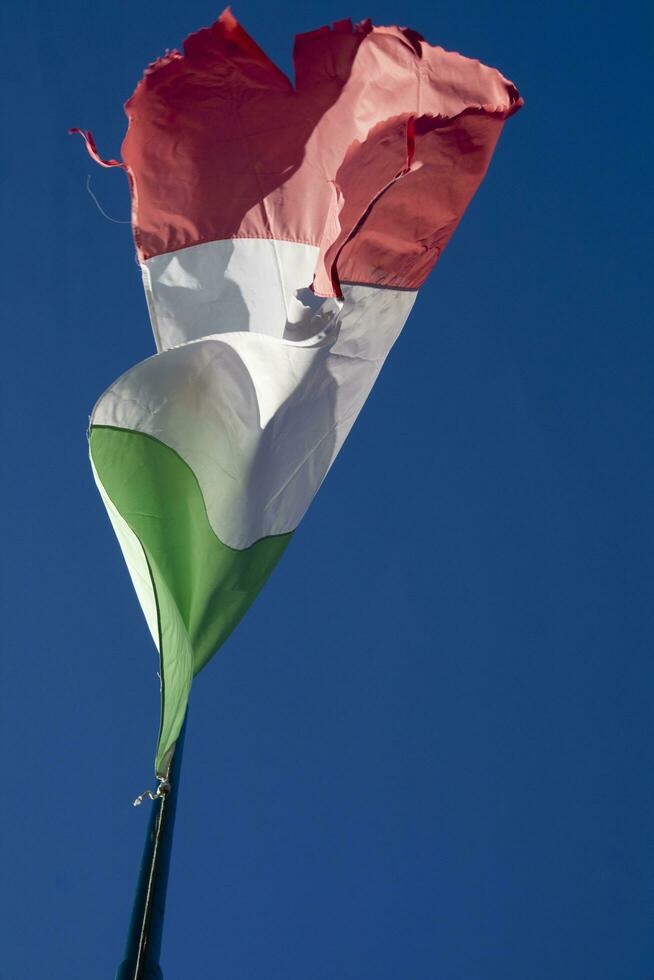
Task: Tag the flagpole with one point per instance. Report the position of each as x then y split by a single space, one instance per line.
141 960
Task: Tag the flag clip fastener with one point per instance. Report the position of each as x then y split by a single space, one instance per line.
162 790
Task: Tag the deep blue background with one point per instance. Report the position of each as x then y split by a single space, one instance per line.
425 754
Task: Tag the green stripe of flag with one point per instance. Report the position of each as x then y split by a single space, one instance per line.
202 586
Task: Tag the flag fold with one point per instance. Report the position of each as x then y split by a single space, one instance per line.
282 233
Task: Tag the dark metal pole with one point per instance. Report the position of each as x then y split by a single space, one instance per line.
143 944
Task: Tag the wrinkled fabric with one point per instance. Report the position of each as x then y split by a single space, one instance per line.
282 233
221 145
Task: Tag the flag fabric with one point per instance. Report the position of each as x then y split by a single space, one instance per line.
282 233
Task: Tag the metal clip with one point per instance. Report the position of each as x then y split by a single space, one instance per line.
162 789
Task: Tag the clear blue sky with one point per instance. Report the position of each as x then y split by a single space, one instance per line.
426 752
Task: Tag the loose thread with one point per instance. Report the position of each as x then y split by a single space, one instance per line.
116 221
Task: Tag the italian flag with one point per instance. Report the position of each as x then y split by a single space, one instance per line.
282 232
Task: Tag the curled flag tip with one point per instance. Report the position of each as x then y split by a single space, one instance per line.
89 142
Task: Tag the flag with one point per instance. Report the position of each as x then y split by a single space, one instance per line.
282 232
